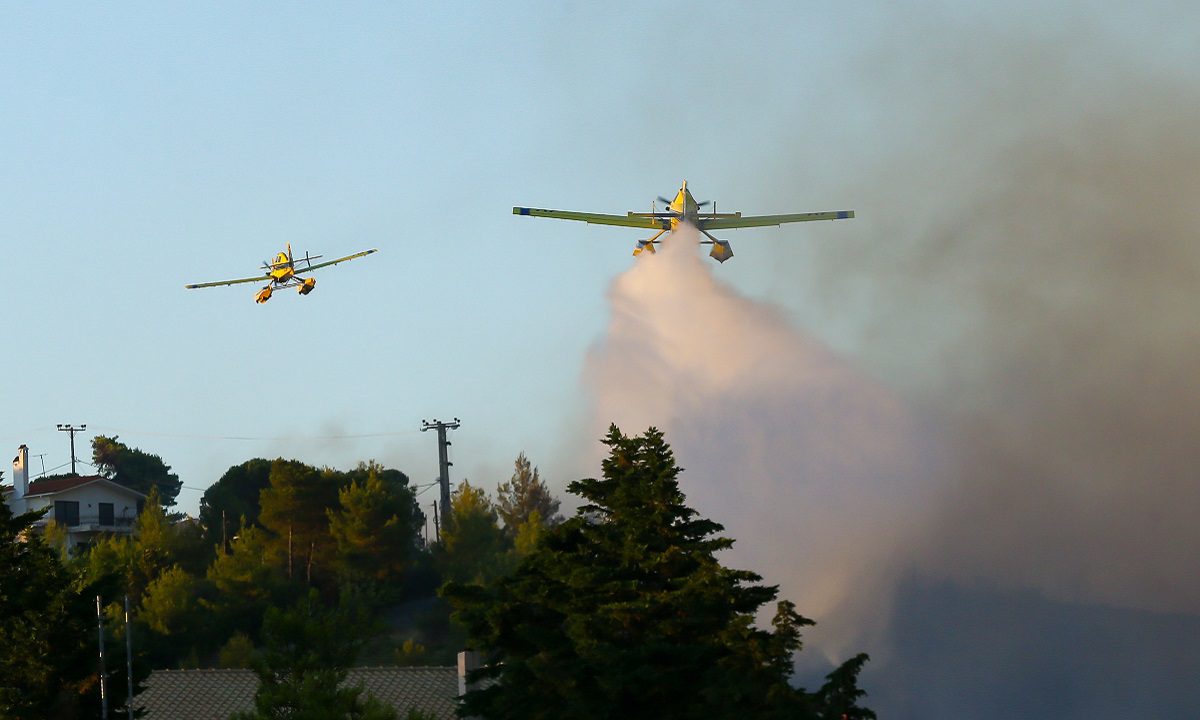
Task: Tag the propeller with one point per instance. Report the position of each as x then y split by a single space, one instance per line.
663 200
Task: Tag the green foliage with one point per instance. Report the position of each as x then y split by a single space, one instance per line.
295 509
529 534
838 697
134 469
110 561
375 529
245 582
169 606
411 654
522 496
239 652
473 543
45 662
55 535
233 500
624 611
157 545
154 543
303 666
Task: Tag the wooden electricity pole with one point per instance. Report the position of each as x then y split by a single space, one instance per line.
443 461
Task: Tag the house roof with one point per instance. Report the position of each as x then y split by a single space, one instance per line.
62 484
216 694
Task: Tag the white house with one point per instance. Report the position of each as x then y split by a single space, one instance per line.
87 506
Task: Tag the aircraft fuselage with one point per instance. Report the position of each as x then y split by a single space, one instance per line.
283 269
685 208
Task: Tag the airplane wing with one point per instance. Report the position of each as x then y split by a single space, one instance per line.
637 221
765 220
327 263
256 278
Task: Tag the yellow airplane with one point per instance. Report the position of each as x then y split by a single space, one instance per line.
684 208
283 273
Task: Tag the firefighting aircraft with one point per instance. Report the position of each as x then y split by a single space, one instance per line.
283 273
684 208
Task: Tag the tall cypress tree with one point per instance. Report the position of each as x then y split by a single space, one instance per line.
624 611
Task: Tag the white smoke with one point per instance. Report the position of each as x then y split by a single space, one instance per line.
814 469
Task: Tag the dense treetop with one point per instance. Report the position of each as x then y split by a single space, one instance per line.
624 611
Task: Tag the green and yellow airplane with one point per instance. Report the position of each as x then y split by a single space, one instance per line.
685 209
283 273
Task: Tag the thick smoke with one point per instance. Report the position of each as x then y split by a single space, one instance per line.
1022 282
1029 236
813 468
1034 288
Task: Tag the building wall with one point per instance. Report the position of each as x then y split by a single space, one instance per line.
89 497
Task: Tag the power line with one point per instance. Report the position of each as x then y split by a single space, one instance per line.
257 438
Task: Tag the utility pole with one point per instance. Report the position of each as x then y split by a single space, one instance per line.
443 460
72 429
128 662
103 689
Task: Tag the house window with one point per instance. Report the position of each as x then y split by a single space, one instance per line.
66 512
106 514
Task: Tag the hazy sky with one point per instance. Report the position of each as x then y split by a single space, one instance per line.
979 391
151 145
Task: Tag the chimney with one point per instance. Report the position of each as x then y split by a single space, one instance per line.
468 662
21 473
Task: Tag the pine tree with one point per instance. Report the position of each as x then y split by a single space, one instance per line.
523 495
303 667
233 499
134 469
473 545
375 529
294 508
624 611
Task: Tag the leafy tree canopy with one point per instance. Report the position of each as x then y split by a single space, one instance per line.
624 611
134 469
294 508
375 526
232 499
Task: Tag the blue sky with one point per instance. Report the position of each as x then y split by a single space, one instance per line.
150 145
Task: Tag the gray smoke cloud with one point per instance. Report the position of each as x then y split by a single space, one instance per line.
1015 407
817 471
1030 244
1030 253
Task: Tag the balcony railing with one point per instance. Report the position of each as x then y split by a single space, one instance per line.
92 523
